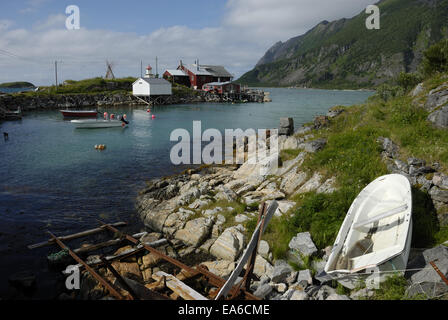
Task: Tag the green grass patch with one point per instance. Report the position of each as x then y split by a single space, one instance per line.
394 288
289 154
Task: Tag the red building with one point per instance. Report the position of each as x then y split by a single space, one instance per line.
221 87
201 74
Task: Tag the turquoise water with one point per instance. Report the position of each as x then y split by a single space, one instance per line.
54 179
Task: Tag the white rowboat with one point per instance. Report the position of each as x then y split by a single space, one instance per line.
376 232
94 124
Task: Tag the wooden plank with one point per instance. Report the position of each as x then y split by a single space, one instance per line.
178 287
247 253
122 255
74 236
104 244
100 279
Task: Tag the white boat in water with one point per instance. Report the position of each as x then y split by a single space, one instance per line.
376 232
94 123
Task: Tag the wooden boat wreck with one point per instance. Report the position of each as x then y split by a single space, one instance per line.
376 233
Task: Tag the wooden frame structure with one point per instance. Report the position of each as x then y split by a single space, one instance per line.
225 289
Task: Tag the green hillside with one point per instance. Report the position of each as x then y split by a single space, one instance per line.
345 54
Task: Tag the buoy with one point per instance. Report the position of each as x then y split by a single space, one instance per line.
112 116
148 110
96 146
153 117
124 116
105 115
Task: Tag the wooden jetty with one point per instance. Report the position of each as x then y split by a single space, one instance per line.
164 285
10 115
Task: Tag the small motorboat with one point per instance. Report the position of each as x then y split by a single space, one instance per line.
96 124
79 113
376 233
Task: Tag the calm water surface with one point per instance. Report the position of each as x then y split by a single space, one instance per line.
52 178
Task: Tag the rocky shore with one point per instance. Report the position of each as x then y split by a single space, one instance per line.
200 210
207 215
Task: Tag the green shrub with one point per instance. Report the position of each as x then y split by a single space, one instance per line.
408 80
387 92
435 58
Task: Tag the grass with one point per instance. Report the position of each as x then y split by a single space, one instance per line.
394 288
353 156
289 154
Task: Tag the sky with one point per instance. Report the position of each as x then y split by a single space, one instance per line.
232 33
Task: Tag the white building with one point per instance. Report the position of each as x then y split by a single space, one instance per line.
147 87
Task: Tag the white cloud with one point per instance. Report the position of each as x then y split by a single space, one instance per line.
33 5
248 28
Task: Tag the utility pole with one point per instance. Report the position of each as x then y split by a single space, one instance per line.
157 68
141 68
56 72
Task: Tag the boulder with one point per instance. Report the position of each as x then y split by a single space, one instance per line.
229 244
286 126
437 98
438 194
239 218
303 244
262 267
334 112
427 280
221 268
440 180
305 275
195 231
299 295
327 186
417 90
311 185
281 271
314 146
292 180
439 117
390 149
263 290
283 207
324 292
263 249
303 130
335 296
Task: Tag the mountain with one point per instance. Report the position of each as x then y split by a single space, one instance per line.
345 54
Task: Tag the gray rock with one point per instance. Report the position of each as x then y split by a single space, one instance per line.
440 180
303 130
417 90
263 290
439 118
328 186
324 292
438 194
311 185
416 162
427 280
292 277
401 166
299 295
303 244
436 98
315 145
335 296
305 275
334 112
390 149
281 271
285 131
292 180
229 244
241 218
286 122
263 249
195 231
318 265
362 294
280 287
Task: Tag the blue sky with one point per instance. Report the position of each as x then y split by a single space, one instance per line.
232 33
126 16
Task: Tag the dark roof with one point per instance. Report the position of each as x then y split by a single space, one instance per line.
217 71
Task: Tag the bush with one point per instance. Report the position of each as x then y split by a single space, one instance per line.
387 92
435 58
408 80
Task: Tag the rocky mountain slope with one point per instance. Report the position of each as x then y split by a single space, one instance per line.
345 54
